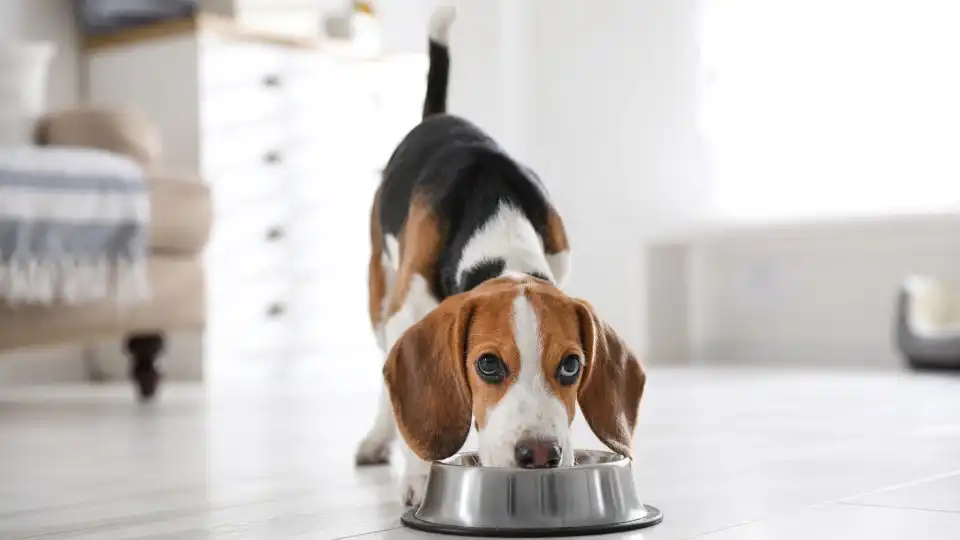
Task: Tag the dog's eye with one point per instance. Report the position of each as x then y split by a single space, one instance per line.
491 368
569 369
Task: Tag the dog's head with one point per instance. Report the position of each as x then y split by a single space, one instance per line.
517 355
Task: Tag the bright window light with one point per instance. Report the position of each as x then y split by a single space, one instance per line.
831 107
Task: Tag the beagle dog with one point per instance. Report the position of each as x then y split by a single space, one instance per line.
467 256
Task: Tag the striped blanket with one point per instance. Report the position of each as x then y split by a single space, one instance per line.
73 226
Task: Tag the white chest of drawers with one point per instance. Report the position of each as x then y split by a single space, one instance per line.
291 139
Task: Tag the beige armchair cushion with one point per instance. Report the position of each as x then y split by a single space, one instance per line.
124 131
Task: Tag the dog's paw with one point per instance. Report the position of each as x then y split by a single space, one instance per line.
412 488
373 452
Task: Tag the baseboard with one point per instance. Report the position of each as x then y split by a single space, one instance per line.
181 360
103 361
42 365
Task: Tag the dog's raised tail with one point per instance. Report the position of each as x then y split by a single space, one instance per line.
438 75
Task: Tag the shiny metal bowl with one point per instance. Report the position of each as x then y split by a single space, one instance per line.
595 496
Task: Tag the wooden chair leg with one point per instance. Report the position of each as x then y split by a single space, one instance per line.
144 350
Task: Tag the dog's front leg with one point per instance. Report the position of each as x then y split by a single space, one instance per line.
375 447
417 305
414 480
375 450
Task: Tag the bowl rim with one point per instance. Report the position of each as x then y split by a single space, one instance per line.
618 460
410 519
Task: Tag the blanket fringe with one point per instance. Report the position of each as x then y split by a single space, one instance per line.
73 282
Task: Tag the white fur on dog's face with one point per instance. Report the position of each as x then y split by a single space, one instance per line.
528 408
531 327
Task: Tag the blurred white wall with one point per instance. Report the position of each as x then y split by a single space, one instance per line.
606 99
602 99
403 23
832 108
47 20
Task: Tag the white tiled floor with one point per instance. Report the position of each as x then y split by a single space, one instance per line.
267 454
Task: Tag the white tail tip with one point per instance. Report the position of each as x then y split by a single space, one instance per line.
440 22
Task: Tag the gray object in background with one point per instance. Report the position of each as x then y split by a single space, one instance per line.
596 496
929 347
105 16
338 25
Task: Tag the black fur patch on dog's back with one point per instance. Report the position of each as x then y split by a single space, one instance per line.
482 271
464 176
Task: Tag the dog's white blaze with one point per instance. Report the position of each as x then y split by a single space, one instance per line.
529 408
508 235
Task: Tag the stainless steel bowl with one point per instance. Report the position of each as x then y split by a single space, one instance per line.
597 495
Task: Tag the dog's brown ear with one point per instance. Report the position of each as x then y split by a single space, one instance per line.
426 378
610 392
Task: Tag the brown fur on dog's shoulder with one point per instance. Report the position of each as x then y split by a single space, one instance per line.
377 283
420 245
556 237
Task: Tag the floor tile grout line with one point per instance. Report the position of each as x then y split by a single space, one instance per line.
368 533
841 500
150 494
152 516
902 485
892 507
712 531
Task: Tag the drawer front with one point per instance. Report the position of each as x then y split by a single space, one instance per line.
264 341
225 153
230 284
225 110
257 301
266 259
245 230
226 64
240 83
249 320
235 193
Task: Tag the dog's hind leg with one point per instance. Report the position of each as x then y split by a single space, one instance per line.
375 447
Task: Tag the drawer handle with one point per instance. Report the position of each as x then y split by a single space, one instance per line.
276 310
274 234
272 81
272 158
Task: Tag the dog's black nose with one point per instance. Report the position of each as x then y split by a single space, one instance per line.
538 454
